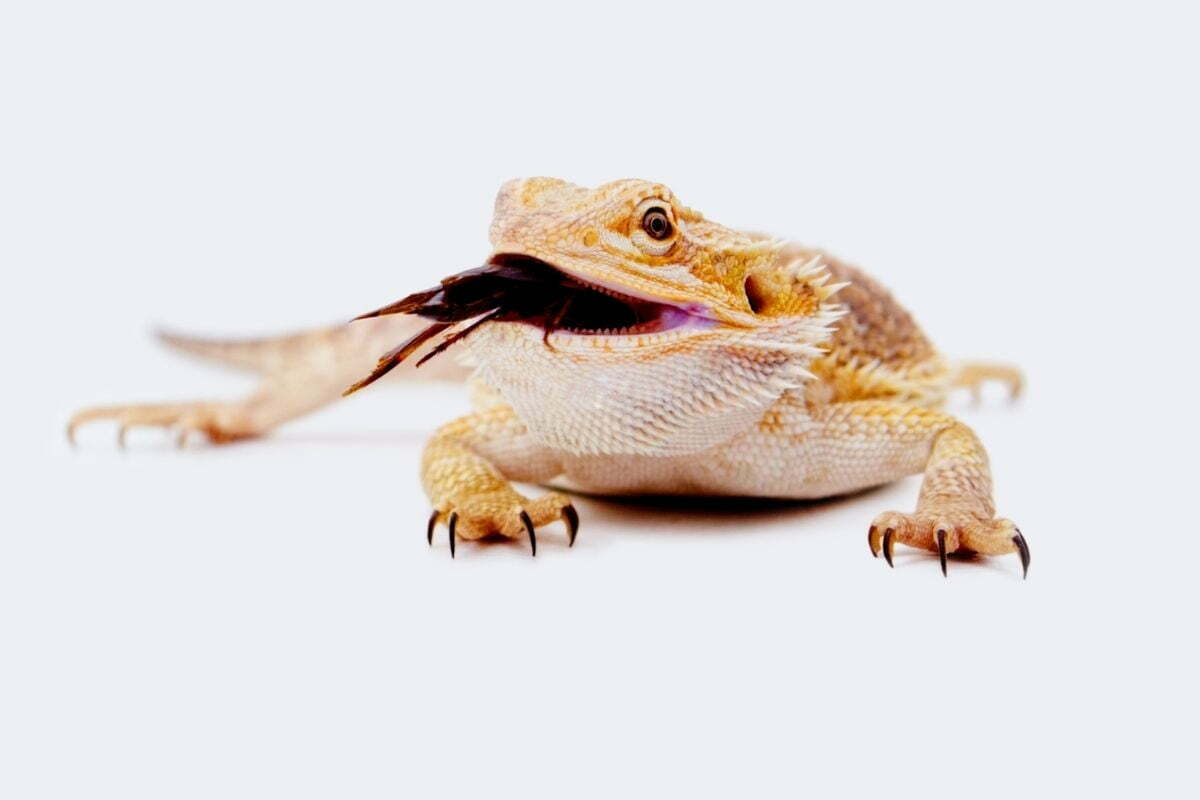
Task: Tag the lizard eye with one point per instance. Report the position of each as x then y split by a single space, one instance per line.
657 224
654 231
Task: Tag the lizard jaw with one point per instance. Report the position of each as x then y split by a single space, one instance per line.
525 290
578 306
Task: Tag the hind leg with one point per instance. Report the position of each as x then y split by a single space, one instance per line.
220 422
972 375
300 373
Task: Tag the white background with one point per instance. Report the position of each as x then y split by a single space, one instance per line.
265 620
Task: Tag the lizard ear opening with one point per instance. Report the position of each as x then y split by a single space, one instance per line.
756 297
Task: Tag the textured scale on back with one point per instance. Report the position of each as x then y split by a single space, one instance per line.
621 342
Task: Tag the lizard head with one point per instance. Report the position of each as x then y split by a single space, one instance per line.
618 320
633 238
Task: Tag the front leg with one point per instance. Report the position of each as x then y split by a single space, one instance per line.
466 470
955 511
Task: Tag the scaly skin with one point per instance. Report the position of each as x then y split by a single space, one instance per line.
795 376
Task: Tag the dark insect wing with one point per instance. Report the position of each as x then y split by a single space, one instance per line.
478 291
391 359
509 287
406 306
457 336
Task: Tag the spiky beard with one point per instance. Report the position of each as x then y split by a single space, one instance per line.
662 395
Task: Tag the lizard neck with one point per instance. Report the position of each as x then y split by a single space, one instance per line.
664 395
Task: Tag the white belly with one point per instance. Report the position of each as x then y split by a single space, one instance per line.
755 464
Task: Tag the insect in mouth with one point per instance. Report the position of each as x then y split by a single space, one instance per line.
515 288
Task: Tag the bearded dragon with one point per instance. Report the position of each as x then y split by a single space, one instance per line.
622 343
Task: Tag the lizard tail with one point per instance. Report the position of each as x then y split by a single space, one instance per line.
355 347
259 355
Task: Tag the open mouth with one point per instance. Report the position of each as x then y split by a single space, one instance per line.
520 288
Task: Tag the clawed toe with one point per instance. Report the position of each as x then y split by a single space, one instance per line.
566 513
213 420
1022 550
571 519
946 535
881 539
528 523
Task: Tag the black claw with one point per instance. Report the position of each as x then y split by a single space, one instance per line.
571 517
871 542
432 523
529 527
887 545
451 524
941 540
1023 550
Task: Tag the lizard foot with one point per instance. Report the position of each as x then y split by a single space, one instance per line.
973 375
947 531
218 421
503 513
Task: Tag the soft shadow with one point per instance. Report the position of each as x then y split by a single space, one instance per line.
380 438
923 559
664 515
692 514
156 440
